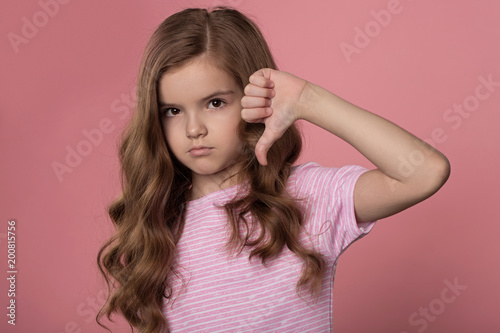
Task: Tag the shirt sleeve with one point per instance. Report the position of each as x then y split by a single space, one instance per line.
329 206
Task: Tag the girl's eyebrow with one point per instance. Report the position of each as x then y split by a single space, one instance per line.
202 100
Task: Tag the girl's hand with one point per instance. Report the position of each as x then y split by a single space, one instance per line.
276 99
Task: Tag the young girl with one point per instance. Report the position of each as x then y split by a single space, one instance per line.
216 229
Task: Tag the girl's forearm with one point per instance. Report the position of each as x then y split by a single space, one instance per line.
382 142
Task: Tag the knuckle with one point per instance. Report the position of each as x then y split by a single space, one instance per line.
251 78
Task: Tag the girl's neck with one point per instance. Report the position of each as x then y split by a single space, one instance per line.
206 184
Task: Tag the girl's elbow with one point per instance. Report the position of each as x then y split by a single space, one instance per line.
443 170
438 173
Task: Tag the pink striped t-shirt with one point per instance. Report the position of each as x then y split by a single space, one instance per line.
223 293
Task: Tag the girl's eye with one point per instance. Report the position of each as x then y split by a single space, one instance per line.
170 112
217 103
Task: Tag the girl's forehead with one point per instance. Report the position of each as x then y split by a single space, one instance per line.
199 62
195 70
195 79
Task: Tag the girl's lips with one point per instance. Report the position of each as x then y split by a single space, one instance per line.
201 151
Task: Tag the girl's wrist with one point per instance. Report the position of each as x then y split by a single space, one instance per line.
309 102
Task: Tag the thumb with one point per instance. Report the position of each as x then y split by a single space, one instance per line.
264 144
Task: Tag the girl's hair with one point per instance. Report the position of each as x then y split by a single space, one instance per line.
138 260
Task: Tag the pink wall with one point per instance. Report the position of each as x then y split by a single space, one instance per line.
74 74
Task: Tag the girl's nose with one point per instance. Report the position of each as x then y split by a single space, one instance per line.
195 127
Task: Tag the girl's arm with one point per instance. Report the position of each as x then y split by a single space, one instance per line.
279 98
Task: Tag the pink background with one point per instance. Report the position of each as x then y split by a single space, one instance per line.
77 72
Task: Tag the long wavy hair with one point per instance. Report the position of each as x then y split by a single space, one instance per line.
137 262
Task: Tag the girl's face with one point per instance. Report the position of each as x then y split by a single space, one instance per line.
200 107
